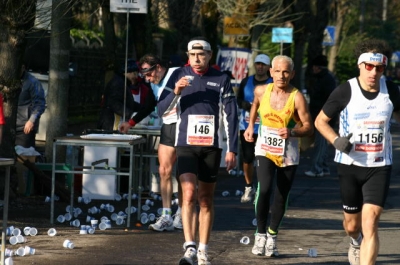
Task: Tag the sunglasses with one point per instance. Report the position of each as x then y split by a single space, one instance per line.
148 71
379 68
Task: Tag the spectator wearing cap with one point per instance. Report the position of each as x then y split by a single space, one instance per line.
245 99
322 85
137 96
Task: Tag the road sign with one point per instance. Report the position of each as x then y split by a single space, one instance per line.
282 35
128 6
329 36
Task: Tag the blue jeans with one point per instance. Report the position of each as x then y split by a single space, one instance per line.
320 154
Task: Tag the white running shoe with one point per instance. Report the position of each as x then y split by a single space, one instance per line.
259 245
163 222
354 254
202 258
189 258
271 249
247 195
178 221
313 174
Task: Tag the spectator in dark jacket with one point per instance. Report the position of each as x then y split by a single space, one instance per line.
31 105
138 96
323 84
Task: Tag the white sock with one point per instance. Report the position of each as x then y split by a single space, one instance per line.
203 247
189 243
167 212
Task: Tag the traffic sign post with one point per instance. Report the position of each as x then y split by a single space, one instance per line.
127 6
282 35
329 36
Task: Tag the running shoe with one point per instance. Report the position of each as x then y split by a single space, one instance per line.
326 173
259 245
354 254
202 257
189 258
313 174
178 221
247 195
271 249
163 222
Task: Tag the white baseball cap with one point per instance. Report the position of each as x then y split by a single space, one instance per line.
262 58
199 45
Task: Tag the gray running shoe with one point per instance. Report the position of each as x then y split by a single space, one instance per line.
202 258
163 223
189 258
259 245
271 249
354 254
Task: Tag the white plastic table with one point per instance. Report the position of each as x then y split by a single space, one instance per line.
76 141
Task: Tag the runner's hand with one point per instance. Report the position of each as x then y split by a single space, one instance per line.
343 143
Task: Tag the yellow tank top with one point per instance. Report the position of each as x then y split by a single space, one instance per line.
283 152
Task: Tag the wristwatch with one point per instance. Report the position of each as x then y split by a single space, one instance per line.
292 133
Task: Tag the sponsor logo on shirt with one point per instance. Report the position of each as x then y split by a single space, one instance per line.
360 116
212 84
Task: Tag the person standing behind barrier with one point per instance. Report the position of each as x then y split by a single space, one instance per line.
363 146
245 98
204 96
138 96
322 86
155 72
284 117
31 105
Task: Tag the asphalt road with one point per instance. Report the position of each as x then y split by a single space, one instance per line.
313 220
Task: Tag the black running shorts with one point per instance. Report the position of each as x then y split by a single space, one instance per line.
201 161
360 185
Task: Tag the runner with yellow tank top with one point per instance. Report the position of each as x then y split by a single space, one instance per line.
280 107
283 152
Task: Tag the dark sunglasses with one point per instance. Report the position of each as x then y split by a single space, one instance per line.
146 71
379 68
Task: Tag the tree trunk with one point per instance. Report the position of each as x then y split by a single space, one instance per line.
16 19
317 26
342 10
301 33
57 97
